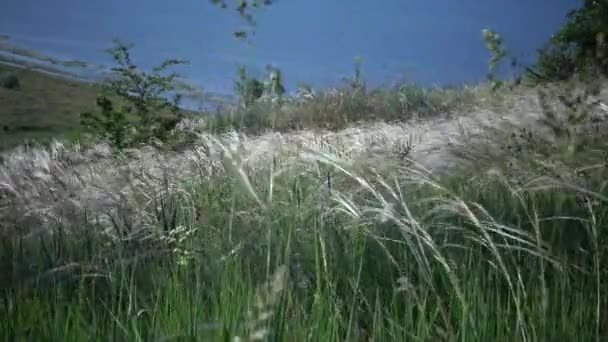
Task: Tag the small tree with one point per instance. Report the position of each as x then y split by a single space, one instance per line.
150 101
146 92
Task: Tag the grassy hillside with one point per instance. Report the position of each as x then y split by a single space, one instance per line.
307 236
403 214
45 106
353 214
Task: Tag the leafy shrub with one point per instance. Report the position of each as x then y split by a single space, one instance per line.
10 81
111 124
554 63
146 113
579 46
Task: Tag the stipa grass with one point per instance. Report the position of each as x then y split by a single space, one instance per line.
322 245
316 249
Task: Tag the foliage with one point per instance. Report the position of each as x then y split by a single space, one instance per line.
579 46
494 44
10 81
248 88
111 123
145 92
150 101
244 7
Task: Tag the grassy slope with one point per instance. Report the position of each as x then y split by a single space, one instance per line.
46 106
484 254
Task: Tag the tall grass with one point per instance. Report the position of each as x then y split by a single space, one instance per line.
339 108
312 245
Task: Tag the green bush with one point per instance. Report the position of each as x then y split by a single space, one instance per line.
111 124
10 81
577 47
146 111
